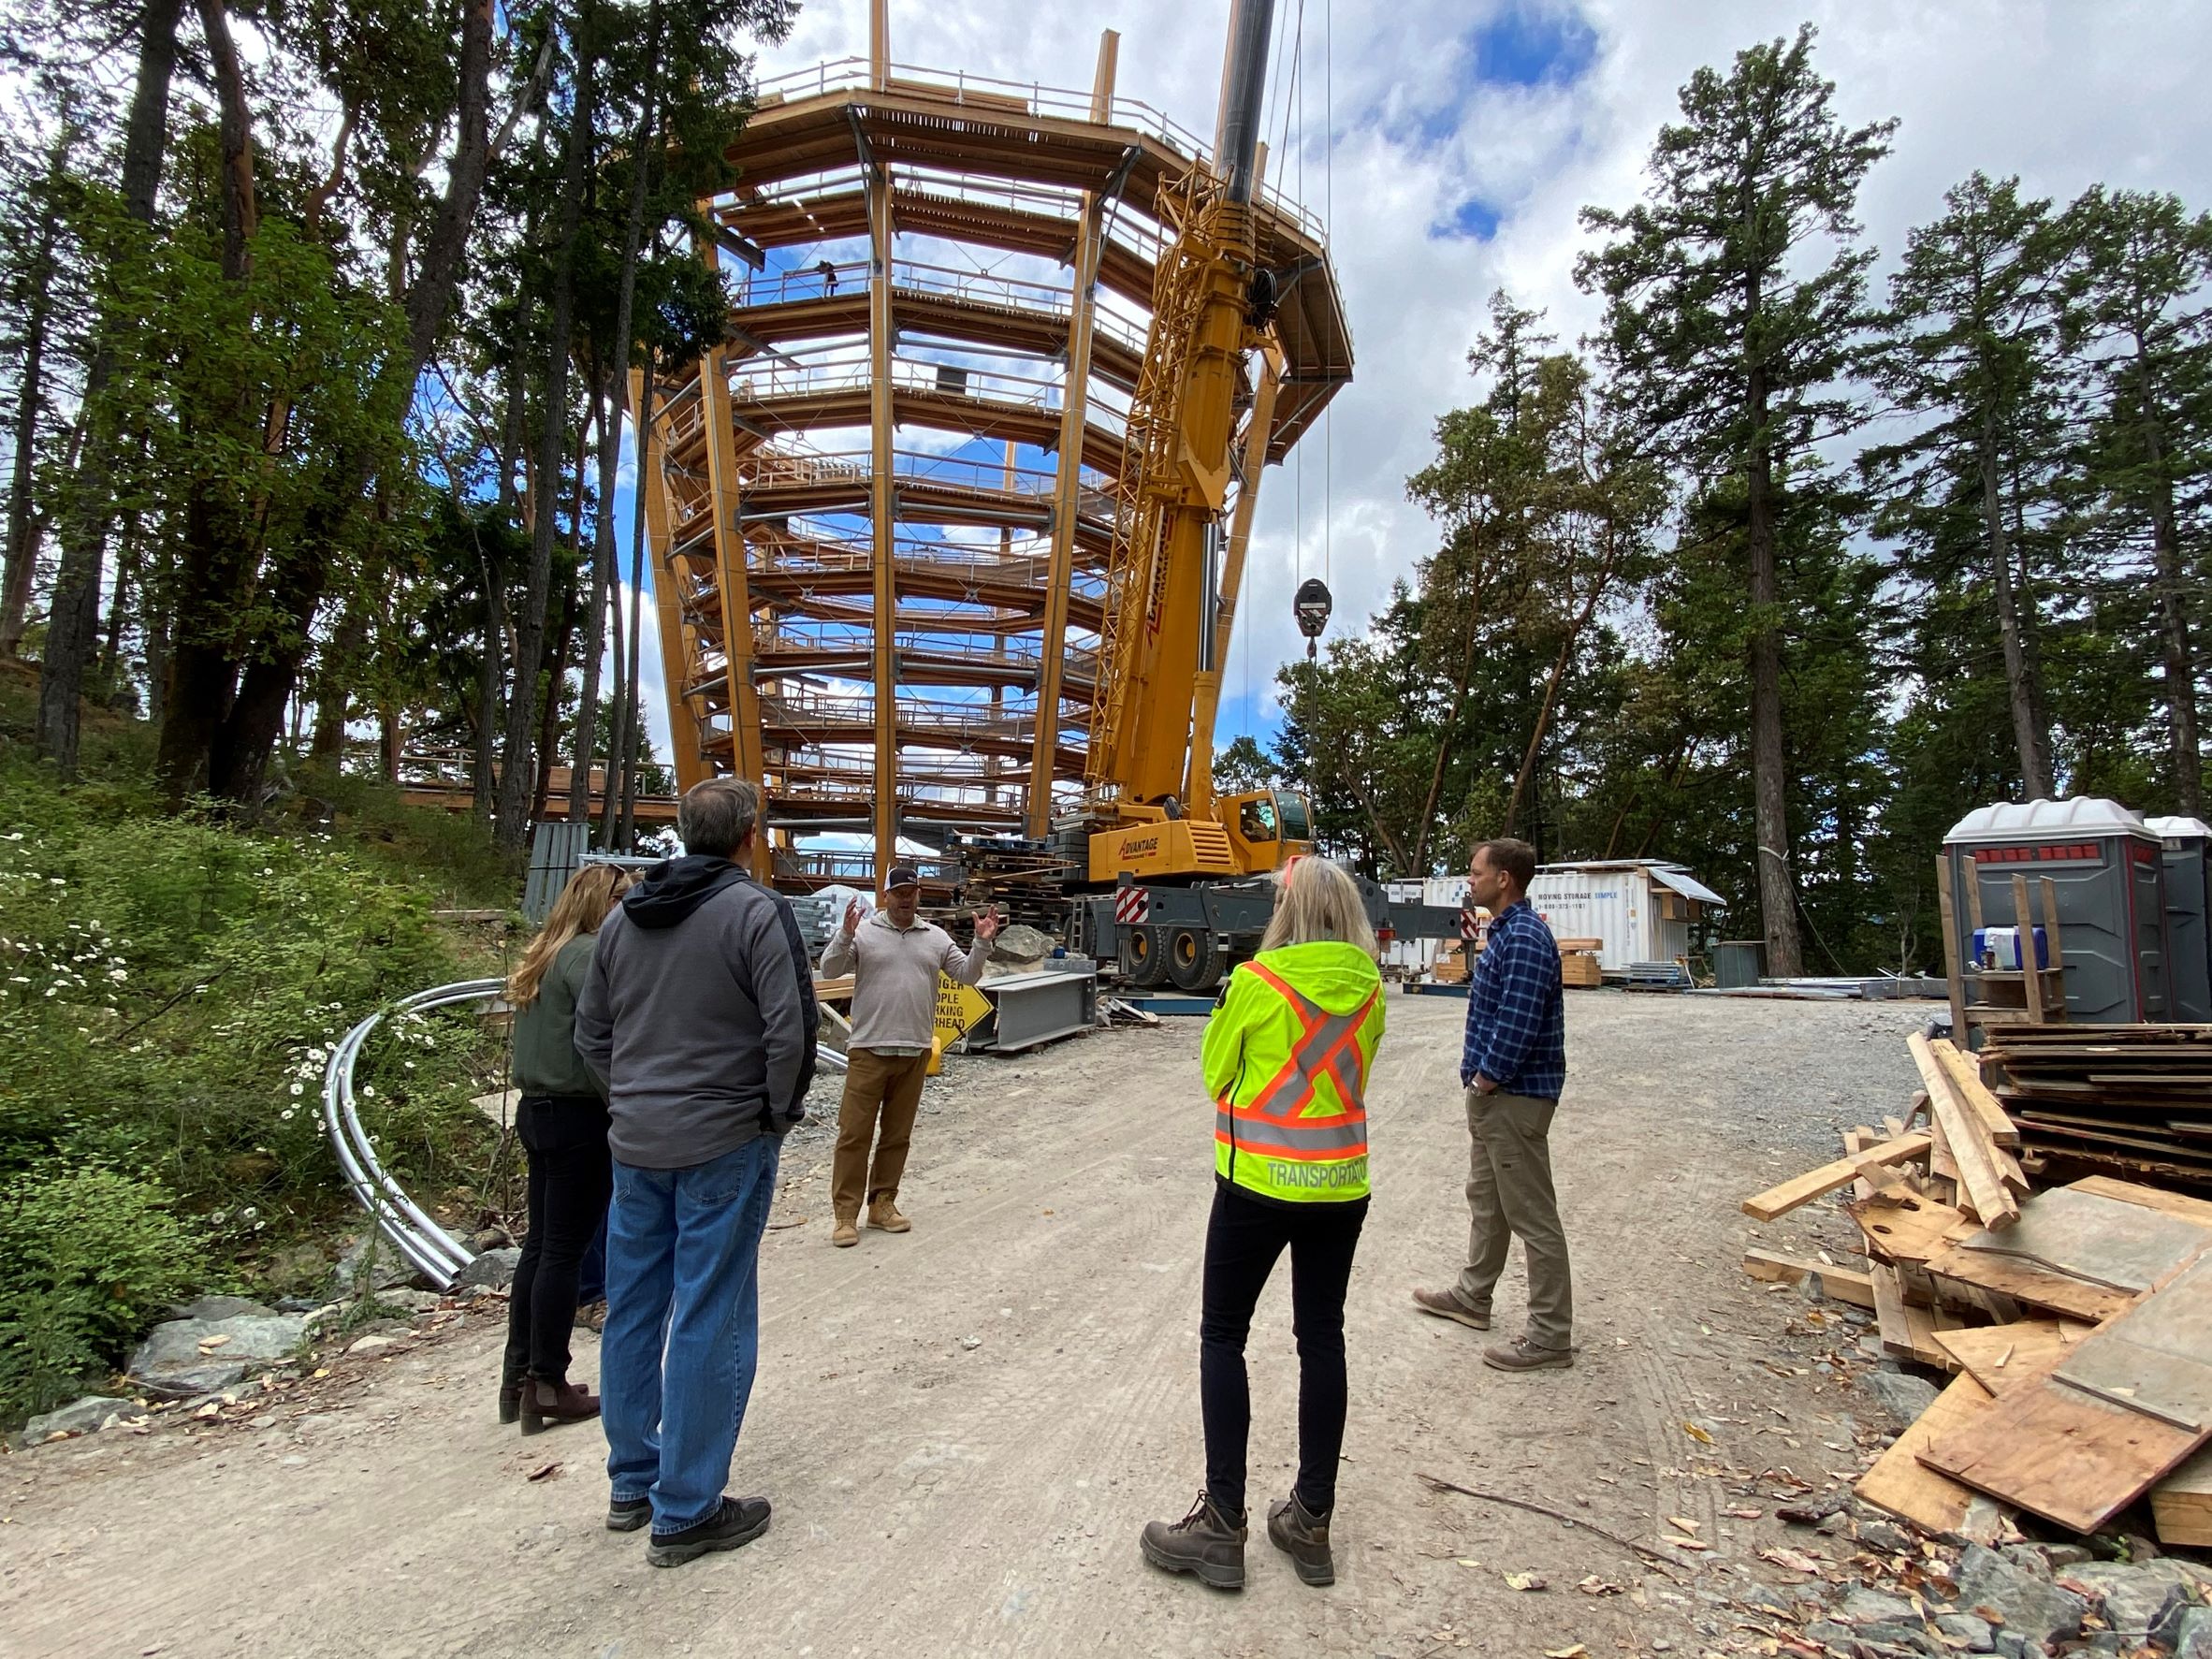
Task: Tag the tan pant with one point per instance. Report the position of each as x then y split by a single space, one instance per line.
877 1086
1509 1192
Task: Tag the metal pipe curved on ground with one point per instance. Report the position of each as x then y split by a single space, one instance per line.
433 1252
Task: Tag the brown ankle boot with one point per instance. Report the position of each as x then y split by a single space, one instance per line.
1304 1536
548 1405
844 1232
1206 1543
884 1214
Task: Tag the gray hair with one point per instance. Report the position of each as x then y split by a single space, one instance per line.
715 816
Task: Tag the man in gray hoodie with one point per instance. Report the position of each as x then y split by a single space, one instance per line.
699 1015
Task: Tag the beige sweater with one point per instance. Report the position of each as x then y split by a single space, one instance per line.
895 974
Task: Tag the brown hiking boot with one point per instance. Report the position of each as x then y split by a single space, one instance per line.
1206 1543
884 1214
844 1232
1523 1355
1304 1536
1445 1306
547 1405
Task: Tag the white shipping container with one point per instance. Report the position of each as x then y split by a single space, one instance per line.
1638 911
1418 955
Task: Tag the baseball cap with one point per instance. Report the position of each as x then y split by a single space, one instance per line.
902 875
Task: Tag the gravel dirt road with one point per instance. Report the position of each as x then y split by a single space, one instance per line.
962 1429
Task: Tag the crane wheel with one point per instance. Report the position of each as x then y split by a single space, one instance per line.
1194 959
1145 957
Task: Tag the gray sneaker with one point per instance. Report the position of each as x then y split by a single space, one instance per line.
1206 1543
1445 1306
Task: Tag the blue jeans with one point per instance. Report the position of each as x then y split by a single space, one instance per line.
682 1337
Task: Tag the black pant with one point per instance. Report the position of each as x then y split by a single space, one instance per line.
1243 1237
571 1176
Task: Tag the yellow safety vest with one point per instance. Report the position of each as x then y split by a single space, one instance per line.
1286 1057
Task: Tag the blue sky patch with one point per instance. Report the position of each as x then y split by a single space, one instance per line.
1527 45
1474 219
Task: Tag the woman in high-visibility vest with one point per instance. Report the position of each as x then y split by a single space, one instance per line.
1288 1053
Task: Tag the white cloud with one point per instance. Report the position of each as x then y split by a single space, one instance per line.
2064 96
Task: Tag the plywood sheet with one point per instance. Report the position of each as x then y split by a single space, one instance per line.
2150 1197
2002 1356
2070 1456
2181 1504
2102 1240
2158 1359
1901 1484
1905 1227
2025 1281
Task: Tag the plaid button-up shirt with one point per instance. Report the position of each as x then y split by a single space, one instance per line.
1515 1011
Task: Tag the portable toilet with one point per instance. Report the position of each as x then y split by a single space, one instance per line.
2188 911
2109 874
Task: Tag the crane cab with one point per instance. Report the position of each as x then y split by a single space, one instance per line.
1251 834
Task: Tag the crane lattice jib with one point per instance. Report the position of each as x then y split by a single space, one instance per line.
1152 487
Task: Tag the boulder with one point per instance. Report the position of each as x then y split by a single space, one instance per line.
414 1302
2138 1597
2192 1634
392 1269
2030 1608
1874 1607
223 1307
1019 943
494 1268
79 1417
1902 1398
186 1358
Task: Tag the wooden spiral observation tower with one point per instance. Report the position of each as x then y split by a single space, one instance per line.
882 513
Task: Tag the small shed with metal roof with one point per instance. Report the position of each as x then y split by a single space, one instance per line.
1638 909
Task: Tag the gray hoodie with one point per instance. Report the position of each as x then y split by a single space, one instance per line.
699 1013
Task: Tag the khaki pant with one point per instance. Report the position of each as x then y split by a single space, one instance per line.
877 1086
1509 1192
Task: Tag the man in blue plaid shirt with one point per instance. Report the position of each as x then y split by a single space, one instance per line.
1513 1063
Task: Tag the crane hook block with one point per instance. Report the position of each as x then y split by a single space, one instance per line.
1311 604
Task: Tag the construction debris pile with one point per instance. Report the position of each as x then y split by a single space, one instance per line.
2073 1321
2135 1100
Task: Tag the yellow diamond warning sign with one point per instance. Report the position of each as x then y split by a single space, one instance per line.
958 1007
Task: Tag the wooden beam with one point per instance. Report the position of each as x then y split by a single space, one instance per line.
884 495
653 494
1803 1189
1979 1175
1967 1078
1838 1283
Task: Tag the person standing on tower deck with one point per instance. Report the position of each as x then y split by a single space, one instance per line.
893 958
1513 1065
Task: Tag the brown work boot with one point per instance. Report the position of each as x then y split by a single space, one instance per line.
844 1232
1304 1536
1445 1304
1206 1543
548 1405
884 1214
1523 1355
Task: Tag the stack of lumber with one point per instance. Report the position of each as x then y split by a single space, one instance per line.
2135 1100
1450 966
1577 963
2076 1321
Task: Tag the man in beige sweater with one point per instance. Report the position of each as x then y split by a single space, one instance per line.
895 958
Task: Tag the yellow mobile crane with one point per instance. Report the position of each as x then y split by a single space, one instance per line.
1176 566
1183 866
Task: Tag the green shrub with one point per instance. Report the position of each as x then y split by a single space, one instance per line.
88 1257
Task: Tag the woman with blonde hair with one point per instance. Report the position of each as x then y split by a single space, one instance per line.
1287 1058
562 1124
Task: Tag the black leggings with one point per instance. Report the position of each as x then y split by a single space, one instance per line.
1243 1237
571 1176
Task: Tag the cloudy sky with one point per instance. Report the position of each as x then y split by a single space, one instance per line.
1450 143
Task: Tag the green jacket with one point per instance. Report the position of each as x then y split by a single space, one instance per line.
1286 1056
545 1060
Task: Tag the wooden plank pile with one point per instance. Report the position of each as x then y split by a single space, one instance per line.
1578 966
2076 1321
2132 1100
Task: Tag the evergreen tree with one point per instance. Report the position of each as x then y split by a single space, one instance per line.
1731 339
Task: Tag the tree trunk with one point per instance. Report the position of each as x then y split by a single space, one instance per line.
30 403
250 731
1551 684
603 557
1769 761
2028 736
71 623
515 774
586 735
2176 657
549 713
627 720
487 693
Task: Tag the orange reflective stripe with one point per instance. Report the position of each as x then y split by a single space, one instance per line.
1330 1033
